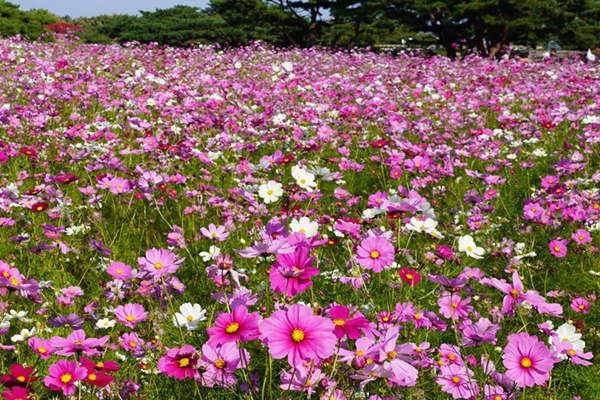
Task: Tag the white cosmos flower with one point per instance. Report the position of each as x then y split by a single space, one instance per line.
304 179
271 191
24 335
426 225
189 316
288 66
467 244
105 323
21 315
306 226
567 332
211 254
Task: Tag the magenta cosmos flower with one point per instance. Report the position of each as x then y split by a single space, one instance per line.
41 347
214 232
179 363
292 272
514 294
344 326
118 270
63 375
237 326
131 314
409 276
160 262
458 381
558 248
580 305
298 335
375 253
527 360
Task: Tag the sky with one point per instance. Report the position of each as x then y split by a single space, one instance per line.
90 8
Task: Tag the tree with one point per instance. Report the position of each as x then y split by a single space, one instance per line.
308 14
17 22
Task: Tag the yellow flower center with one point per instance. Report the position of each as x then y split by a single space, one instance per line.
158 265
78 342
360 353
190 318
119 271
556 248
130 318
409 276
184 362
220 364
302 230
417 317
374 254
454 305
21 378
456 380
65 378
571 352
303 181
132 344
40 208
100 364
385 319
270 192
5 274
418 349
232 328
526 363
581 307
514 293
92 377
339 322
42 350
391 354
297 335
469 248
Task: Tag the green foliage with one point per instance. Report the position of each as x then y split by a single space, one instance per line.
17 22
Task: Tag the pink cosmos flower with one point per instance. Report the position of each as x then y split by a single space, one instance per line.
298 334
514 293
527 360
221 363
118 270
160 262
577 356
292 272
72 291
179 363
404 373
16 393
214 232
131 341
451 306
237 326
131 314
375 253
558 248
458 381
344 326
581 236
76 341
63 375
41 347
580 305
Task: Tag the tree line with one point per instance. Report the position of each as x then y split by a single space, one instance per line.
486 26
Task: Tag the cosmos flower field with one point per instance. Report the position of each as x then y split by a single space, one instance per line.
259 223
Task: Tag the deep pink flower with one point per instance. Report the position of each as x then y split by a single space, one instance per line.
76 341
16 393
63 375
160 262
527 360
558 248
179 363
577 356
292 272
375 253
580 305
409 276
19 376
233 327
298 335
131 314
344 326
